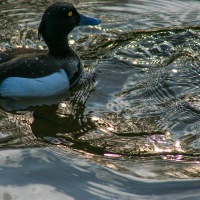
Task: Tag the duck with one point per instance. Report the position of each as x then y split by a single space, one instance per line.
47 74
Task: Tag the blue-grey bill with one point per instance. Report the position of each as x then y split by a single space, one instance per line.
86 20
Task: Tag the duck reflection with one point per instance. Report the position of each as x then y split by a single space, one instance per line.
54 117
15 104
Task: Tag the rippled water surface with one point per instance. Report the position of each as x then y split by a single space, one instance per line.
136 109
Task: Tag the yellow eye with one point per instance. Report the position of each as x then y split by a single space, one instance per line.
70 14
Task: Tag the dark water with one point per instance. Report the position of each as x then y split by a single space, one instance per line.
135 110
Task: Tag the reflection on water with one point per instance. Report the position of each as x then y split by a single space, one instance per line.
14 104
80 179
138 100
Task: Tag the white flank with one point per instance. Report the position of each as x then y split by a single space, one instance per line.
50 85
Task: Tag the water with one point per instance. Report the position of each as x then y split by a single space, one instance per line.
44 173
135 110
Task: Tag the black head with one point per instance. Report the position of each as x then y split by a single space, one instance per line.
58 21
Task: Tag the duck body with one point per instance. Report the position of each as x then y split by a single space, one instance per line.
47 74
39 75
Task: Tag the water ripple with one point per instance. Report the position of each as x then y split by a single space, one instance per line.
139 96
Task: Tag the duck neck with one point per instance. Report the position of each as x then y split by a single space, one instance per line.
59 47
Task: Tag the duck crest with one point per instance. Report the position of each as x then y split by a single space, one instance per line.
41 28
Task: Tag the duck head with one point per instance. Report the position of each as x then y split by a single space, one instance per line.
57 22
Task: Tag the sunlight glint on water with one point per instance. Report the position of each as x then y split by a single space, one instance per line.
139 99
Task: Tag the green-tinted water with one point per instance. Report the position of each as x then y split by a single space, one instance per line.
136 109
